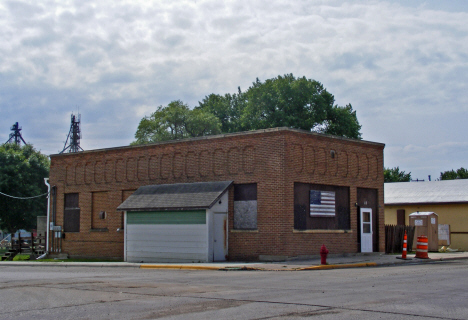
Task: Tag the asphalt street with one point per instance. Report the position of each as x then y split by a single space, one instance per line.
410 291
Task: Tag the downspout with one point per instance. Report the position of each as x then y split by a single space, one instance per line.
46 181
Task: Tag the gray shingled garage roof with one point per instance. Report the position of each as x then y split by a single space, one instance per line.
177 196
445 191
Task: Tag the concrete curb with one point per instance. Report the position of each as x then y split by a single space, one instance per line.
339 266
178 267
234 266
69 264
194 267
449 258
244 268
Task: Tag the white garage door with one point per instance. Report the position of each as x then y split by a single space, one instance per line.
176 236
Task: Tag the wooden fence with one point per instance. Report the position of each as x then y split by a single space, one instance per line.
394 238
32 245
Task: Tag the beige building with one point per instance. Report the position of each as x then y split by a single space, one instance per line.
448 198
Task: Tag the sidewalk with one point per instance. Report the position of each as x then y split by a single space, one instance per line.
356 260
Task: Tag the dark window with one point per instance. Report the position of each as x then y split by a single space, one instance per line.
400 217
71 214
245 206
321 207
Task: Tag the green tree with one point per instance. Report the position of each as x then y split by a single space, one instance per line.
342 121
176 121
395 175
226 108
22 173
284 101
461 173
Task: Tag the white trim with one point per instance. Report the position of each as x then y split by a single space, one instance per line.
125 235
366 246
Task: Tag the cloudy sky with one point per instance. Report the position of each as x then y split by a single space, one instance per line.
403 67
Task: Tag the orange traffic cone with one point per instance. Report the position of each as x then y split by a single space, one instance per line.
405 245
403 254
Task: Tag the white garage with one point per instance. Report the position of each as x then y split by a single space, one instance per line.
183 222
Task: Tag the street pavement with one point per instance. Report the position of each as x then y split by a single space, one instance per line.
336 261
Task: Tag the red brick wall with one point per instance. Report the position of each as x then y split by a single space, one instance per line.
354 165
274 159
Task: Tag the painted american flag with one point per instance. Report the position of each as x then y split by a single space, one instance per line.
322 203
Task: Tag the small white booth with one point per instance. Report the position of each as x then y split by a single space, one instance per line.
183 222
426 224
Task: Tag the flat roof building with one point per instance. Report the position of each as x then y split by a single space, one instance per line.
259 195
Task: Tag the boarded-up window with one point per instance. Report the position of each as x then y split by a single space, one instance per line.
71 214
401 217
322 203
245 206
321 207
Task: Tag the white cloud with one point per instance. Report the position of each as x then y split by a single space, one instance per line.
403 66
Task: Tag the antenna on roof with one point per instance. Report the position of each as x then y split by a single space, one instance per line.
15 136
74 136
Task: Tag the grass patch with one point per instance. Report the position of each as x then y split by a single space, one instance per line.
25 257
21 257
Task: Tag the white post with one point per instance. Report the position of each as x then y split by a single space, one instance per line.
46 181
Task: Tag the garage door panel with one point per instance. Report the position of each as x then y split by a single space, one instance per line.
152 238
149 250
156 242
152 246
166 232
183 257
167 217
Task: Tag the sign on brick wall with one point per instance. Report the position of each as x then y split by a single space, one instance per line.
322 203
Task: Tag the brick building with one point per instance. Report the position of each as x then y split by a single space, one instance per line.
288 192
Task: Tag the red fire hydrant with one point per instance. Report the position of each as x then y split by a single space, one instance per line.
323 254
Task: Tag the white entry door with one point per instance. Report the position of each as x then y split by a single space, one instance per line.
366 230
220 238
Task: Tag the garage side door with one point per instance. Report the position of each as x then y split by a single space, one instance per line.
179 236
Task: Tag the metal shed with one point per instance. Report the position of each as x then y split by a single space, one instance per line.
183 222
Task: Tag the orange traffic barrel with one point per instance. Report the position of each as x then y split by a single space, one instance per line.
421 248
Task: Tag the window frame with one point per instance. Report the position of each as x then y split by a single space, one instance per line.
245 198
71 213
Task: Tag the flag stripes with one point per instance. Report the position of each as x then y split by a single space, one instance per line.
322 203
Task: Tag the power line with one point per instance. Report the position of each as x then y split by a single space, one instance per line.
24 198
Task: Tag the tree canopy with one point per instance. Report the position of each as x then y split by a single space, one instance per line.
176 121
461 173
22 173
284 101
395 175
